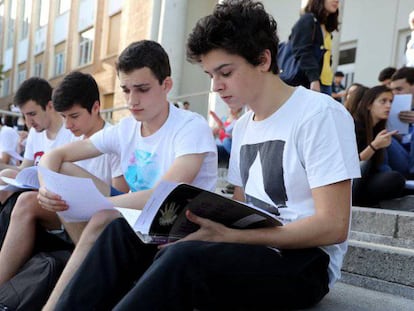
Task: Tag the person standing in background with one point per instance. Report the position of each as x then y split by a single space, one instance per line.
338 90
311 32
409 53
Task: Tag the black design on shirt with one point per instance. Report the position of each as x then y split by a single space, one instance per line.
271 160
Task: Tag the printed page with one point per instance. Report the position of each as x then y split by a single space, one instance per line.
151 207
25 179
400 103
130 215
81 195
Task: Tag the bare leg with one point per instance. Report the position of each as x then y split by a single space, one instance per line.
92 231
11 173
19 241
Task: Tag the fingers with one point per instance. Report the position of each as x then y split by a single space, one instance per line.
51 201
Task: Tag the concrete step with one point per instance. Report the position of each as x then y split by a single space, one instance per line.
405 203
380 267
389 227
345 297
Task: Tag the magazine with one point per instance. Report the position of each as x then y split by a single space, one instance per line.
163 219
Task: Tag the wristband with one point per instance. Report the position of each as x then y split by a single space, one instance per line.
372 147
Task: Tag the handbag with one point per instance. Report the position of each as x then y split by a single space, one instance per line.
289 64
290 71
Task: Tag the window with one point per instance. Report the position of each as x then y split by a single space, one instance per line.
64 5
6 87
114 31
21 76
59 63
38 70
86 46
347 56
26 7
43 13
10 25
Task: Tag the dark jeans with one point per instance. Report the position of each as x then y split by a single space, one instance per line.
375 186
120 271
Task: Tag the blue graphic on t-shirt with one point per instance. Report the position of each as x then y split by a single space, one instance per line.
142 172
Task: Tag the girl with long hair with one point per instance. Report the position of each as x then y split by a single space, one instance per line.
378 181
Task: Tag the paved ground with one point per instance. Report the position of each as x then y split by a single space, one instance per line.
346 297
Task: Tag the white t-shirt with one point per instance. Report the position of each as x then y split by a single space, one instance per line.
307 143
9 140
105 166
38 143
144 160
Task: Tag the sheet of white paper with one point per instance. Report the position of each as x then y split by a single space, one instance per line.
81 195
130 215
151 207
25 179
400 103
409 184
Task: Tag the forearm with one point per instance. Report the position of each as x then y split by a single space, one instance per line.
133 200
312 231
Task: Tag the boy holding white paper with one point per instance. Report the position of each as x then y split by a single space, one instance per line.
76 104
401 151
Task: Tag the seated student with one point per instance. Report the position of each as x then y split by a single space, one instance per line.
9 141
223 131
338 90
157 142
353 97
378 181
47 129
76 99
384 77
302 162
401 150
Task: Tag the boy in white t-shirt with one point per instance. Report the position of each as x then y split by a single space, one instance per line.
9 140
76 99
46 126
294 154
158 141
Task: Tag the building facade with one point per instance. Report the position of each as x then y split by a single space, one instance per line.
49 38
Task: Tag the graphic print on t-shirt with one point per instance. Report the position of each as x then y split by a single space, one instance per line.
268 158
142 172
37 156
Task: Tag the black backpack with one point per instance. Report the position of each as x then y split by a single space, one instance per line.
31 287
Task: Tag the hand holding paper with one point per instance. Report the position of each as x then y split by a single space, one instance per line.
80 194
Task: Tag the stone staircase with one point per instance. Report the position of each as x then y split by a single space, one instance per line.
381 251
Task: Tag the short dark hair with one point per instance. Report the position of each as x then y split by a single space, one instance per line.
240 27
35 89
404 73
386 73
339 74
317 8
145 53
76 88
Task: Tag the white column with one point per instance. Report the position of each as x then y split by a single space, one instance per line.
172 37
155 20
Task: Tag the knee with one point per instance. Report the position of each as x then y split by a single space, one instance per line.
182 253
99 221
26 206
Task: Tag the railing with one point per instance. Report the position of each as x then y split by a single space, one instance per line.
107 114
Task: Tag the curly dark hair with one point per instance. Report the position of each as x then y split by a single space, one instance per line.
240 27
